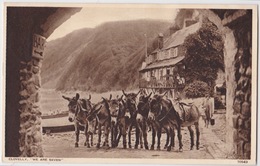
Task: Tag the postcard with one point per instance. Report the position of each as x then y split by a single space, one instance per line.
130 83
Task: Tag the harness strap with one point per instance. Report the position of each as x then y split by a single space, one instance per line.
165 114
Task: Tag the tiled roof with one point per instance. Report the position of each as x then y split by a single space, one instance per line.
179 36
164 63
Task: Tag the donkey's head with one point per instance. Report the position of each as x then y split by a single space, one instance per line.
73 106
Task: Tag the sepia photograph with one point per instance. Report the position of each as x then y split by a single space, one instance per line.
130 83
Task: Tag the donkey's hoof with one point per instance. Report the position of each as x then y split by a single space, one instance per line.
152 148
124 146
88 146
91 144
136 146
98 146
107 147
141 146
169 148
85 144
165 147
198 148
191 148
130 146
146 147
76 145
180 150
158 148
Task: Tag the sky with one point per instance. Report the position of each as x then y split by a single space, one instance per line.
90 17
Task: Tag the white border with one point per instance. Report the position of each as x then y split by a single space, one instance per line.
182 4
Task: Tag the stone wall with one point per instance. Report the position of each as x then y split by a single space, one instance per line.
238 68
236 29
30 117
22 113
242 100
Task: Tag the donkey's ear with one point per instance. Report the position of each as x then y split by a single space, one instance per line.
149 95
137 93
164 93
89 97
121 97
110 97
66 98
77 96
124 93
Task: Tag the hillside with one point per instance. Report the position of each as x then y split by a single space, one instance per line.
105 58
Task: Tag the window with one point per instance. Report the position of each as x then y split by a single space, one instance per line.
174 52
161 74
167 74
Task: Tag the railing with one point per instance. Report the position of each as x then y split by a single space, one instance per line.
156 84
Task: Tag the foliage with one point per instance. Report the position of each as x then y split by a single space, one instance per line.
204 54
196 89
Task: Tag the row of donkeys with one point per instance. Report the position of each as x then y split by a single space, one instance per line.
142 111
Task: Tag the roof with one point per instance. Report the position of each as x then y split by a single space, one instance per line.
179 36
164 63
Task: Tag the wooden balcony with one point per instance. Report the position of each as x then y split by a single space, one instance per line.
159 84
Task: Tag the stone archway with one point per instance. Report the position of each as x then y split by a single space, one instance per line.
238 65
23 116
27 26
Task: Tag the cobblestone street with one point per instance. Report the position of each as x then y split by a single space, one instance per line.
61 145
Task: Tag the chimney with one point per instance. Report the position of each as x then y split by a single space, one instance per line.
160 40
188 22
173 29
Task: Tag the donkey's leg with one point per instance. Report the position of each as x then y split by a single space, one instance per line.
145 135
173 137
99 135
171 140
123 130
112 134
197 135
137 135
153 137
180 138
87 136
159 134
118 137
129 135
116 133
107 131
141 135
167 138
76 125
191 137
92 134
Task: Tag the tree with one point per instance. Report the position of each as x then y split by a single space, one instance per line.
196 89
203 55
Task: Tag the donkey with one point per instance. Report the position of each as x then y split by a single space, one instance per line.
101 113
118 120
163 115
189 115
141 118
131 111
78 110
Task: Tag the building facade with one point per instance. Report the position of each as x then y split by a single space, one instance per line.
160 71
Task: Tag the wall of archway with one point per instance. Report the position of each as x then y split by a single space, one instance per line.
238 68
23 115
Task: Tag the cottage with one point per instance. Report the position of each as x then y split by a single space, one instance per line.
160 70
